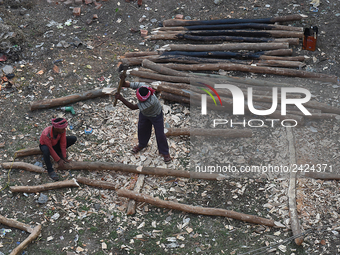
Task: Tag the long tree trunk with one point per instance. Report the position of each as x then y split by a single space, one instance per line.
46 186
195 209
177 22
49 103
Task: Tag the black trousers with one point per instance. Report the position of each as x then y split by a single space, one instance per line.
70 140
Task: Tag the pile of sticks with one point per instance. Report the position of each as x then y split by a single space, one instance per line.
245 45
181 86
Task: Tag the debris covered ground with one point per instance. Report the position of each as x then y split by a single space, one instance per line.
54 53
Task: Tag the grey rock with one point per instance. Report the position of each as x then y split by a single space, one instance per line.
42 199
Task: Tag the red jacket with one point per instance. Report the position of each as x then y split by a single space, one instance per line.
46 138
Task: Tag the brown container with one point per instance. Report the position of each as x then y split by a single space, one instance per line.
309 38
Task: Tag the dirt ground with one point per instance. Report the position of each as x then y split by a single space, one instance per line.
55 53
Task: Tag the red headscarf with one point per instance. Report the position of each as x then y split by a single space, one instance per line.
144 98
61 123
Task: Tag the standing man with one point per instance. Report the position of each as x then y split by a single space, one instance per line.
53 142
150 114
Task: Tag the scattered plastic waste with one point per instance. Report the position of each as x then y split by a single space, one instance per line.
88 130
3 231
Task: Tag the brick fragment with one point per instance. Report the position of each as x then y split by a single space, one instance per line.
76 11
143 32
179 16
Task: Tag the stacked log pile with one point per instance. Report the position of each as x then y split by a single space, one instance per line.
246 45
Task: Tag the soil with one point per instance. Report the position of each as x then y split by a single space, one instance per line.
55 53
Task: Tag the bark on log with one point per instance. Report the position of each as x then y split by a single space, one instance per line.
293 214
224 47
227 54
15 224
256 69
44 187
131 209
233 26
96 183
28 152
227 133
160 77
177 22
195 209
18 250
240 33
140 54
49 103
97 166
169 36
323 176
175 98
24 166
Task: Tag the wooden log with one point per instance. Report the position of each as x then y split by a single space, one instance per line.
28 152
240 33
15 224
195 209
160 77
140 54
227 133
293 214
162 69
97 166
131 209
44 187
224 47
323 176
256 69
177 22
233 26
96 183
24 166
34 235
170 36
49 103
175 98
280 63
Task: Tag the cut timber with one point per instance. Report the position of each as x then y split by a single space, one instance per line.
131 209
256 69
172 36
24 166
293 214
97 166
49 103
323 176
19 249
140 54
44 187
175 98
241 33
195 209
229 133
160 77
34 233
224 47
177 22
233 26
28 152
15 224
95 183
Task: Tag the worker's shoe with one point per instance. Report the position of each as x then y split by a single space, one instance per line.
53 175
167 158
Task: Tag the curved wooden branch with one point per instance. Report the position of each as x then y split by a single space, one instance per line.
49 103
195 209
35 233
24 166
95 183
15 224
44 187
